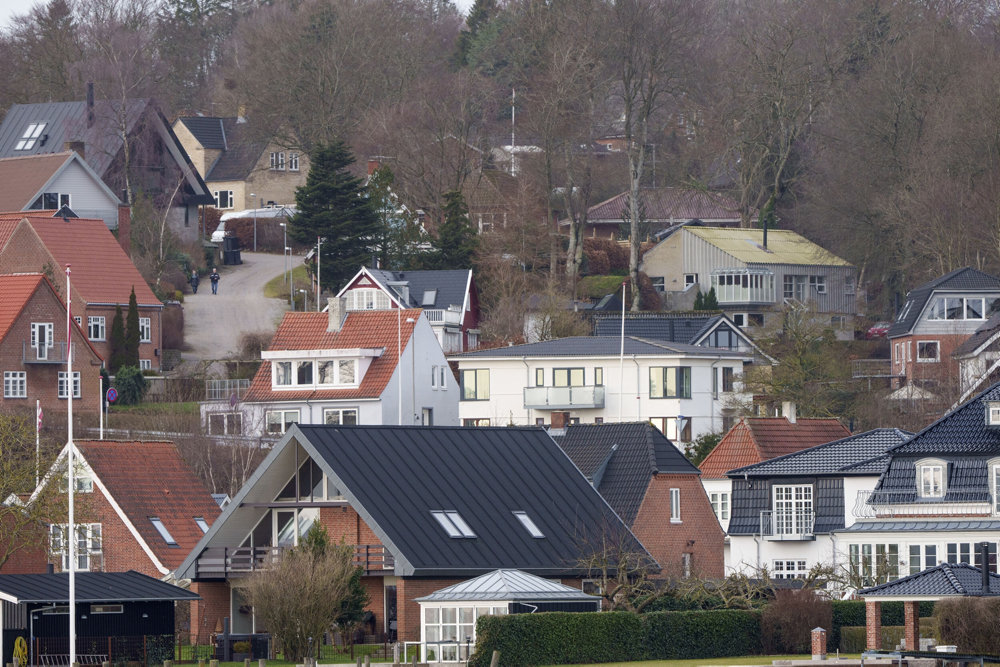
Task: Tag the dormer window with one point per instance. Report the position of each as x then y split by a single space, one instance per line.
993 413
931 479
30 137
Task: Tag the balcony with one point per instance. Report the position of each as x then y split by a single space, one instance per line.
449 317
744 286
961 504
872 368
228 562
563 398
783 525
225 390
56 354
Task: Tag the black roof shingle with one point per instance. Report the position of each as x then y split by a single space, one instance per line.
128 586
960 280
945 580
863 453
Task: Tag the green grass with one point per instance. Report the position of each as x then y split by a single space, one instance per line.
596 287
151 408
742 660
277 288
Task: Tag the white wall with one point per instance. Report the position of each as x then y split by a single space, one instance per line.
87 198
421 355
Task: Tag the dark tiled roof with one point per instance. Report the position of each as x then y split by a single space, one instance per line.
208 130
961 432
128 586
863 453
947 579
983 334
671 205
755 439
240 151
622 458
450 285
582 346
959 280
942 525
673 327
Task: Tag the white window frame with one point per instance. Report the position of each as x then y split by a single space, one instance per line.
97 327
62 387
277 160
720 504
675 505
285 423
15 384
339 412
789 568
931 478
367 298
30 136
90 546
793 509
929 360
293 162
145 364
161 528
818 284
145 330
229 199
42 338
233 419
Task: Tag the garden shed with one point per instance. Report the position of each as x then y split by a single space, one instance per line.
448 616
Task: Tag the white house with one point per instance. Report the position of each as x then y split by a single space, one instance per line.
339 367
684 390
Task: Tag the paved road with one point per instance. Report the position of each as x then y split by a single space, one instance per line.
213 323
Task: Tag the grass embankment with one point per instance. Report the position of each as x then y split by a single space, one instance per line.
720 662
277 287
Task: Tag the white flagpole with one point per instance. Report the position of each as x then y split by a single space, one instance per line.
71 537
621 361
38 426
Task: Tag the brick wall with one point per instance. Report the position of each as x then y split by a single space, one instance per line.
208 612
873 625
408 611
697 534
343 523
29 554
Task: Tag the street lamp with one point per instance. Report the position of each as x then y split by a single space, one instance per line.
290 302
305 299
253 198
285 230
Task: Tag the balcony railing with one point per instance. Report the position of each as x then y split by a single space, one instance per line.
225 562
960 503
783 525
449 316
563 398
872 368
224 390
55 354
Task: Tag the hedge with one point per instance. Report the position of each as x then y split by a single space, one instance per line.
567 638
852 612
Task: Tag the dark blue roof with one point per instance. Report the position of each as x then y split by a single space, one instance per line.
449 286
860 454
582 346
128 586
947 579
960 280
210 131
673 327
930 525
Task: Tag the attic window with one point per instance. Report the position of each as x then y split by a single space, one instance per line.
200 520
453 523
993 413
30 137
528 524
430 296
162 530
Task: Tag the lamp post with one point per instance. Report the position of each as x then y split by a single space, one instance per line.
290 302
305 299
253 199
284 229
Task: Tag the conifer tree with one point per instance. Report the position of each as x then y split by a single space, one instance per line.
116 341
711 300
131 352
457 241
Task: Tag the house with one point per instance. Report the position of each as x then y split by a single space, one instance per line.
936 319
54 181
784 511
424 507
654 489
156 164
139 506
937 499
662 208
755 439
241 171
755 275
684 390
346 367
103 276
978 359
449 298
33 349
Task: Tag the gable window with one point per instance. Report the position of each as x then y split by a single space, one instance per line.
528 524
567 377
476 384
279 421
957 308
52 201
723 338
41 339
293 162
223 198
31 135
162 530
720 505
95 327
367 299
88 546
145 330
15 384
793 509
453 523
675 505
439 377
928 351
670 382
278 161
64 384
82 480
340 416
931 479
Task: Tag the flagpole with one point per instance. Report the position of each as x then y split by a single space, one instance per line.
621 361
71 537
38 426
100 405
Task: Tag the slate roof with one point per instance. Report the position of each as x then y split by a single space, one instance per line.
451 286
983 334
24 177
673 327
150 479
783 246
91 587
210 131
511 585
940 525
668 205
863 453
945 580
755 439
598 346
621 459
240 151
960 280
361 329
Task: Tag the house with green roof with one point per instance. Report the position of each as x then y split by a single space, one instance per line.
755 274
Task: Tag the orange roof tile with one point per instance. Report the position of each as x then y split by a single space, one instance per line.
755 439
15 290
150 479
361 329
23 177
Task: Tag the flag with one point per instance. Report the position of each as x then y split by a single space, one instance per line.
39 415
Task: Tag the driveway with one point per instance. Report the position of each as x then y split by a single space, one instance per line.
213 323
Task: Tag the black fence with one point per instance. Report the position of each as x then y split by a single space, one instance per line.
143 649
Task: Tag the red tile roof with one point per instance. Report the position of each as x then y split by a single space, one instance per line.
23 177
15 290
361 329
150 479
756 439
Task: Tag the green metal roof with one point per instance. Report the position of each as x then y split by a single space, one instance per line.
783 246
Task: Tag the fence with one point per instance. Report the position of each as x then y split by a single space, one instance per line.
326 653
144 649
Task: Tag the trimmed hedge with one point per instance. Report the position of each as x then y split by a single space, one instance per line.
567 638
852 612
854 639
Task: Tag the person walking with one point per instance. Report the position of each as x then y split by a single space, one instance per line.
194 280
215 280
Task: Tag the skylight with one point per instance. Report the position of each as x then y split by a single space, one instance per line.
201 523
430 296
162 530
528 524
30 137
453 523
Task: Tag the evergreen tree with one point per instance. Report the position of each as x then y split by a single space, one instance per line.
332 204
116 342
480 14
457 241
399 232
130 356
711 300
699 301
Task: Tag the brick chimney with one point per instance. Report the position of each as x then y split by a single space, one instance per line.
125 228
559 420
373 164
337 310
77 147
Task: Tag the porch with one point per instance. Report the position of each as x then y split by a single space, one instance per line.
228 562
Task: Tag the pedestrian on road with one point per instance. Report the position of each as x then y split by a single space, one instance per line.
215 280
194 280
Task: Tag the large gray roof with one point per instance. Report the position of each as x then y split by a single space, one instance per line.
930 525
128 586
945 580
450 285
674 327
599 346
863 453
510 585
960 280
240 151
621 459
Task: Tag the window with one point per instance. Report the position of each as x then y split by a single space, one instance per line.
64 384
279 421
789 569
476 384
52 201
724 378
223 198
874 563
95 327
453 523
599 377
82 480
145 330
690 279
996 488
793 509
723 338
476 421
674 382
675 505
795 287
41 339
225 423
539 377
304 372
15 384
957 308
922 557
30 137
340 416
818 283
720 505
677 429
162 530
145 364
451 631
202 524
367 299
567 377
930 478
107 608
282 371
592 587
347 371
658 283
278 161
928 351
528 524
88 545
293 162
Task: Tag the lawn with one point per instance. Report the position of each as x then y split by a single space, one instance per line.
277 288
722 662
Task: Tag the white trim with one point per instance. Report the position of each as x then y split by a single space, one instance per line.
295 355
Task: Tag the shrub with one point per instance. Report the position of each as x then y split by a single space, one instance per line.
131 385
787 622
241 647
852 613
970 624
617 254
598 263
702 634
172 327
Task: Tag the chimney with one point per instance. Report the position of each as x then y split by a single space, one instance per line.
559 420
373 164
125 228
788 411
90 104
984 562
337 310
77 147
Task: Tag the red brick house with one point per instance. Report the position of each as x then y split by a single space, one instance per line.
103 276
33 349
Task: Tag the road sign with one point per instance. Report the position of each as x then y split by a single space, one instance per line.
112 394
